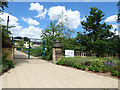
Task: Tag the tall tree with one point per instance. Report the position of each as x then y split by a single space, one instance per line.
97 33
55 32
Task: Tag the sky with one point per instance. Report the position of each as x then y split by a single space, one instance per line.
30 18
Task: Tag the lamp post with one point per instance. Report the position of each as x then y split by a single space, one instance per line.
8 20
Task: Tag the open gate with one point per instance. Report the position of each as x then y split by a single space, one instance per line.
28 48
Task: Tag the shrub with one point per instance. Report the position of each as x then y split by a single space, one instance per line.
103 69
75 64
96 69
48 57
90 68
87 63
97 63
118 74
110 66
60 62
83 67
114 73
78 66
37 51
69 62
6 64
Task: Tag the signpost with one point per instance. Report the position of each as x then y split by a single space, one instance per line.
69 53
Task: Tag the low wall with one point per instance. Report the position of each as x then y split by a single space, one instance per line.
91 54
8 50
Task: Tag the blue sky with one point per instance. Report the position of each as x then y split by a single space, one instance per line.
23 16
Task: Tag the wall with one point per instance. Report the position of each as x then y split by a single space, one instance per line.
8 50
88 54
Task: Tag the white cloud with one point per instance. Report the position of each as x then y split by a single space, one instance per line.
60 13
30 21
39 8
112 18
116 32
115 26
31 31
84 18
12 19
54 11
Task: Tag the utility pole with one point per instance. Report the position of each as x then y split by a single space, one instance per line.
8 20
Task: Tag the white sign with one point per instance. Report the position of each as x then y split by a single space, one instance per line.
69 53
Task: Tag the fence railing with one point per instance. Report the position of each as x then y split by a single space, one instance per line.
92 54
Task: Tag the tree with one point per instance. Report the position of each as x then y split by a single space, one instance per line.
3 3
21 43
55 32
97 34
50 35
6 35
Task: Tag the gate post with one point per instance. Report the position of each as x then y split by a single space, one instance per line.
29 50
56 52
43 50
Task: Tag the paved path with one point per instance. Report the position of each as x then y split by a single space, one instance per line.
36 73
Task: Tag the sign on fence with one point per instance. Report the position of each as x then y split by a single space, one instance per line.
69 53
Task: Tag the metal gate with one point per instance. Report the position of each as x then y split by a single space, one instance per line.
28 48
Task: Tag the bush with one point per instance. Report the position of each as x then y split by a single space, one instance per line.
6 64
103 69
87 63
110 66
90 68
114 73
83 67
118 74
79 66
97 63
37 51
96 69
48 57
69 62
60 62
75 64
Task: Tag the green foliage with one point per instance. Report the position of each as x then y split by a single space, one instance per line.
93 64
60 62
96 69
87 63
83 67
114 73
21 43
6 64
103 69
79 66
118 74
5 35
37 51
97 63
3 5
90 68
55 32
97 34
